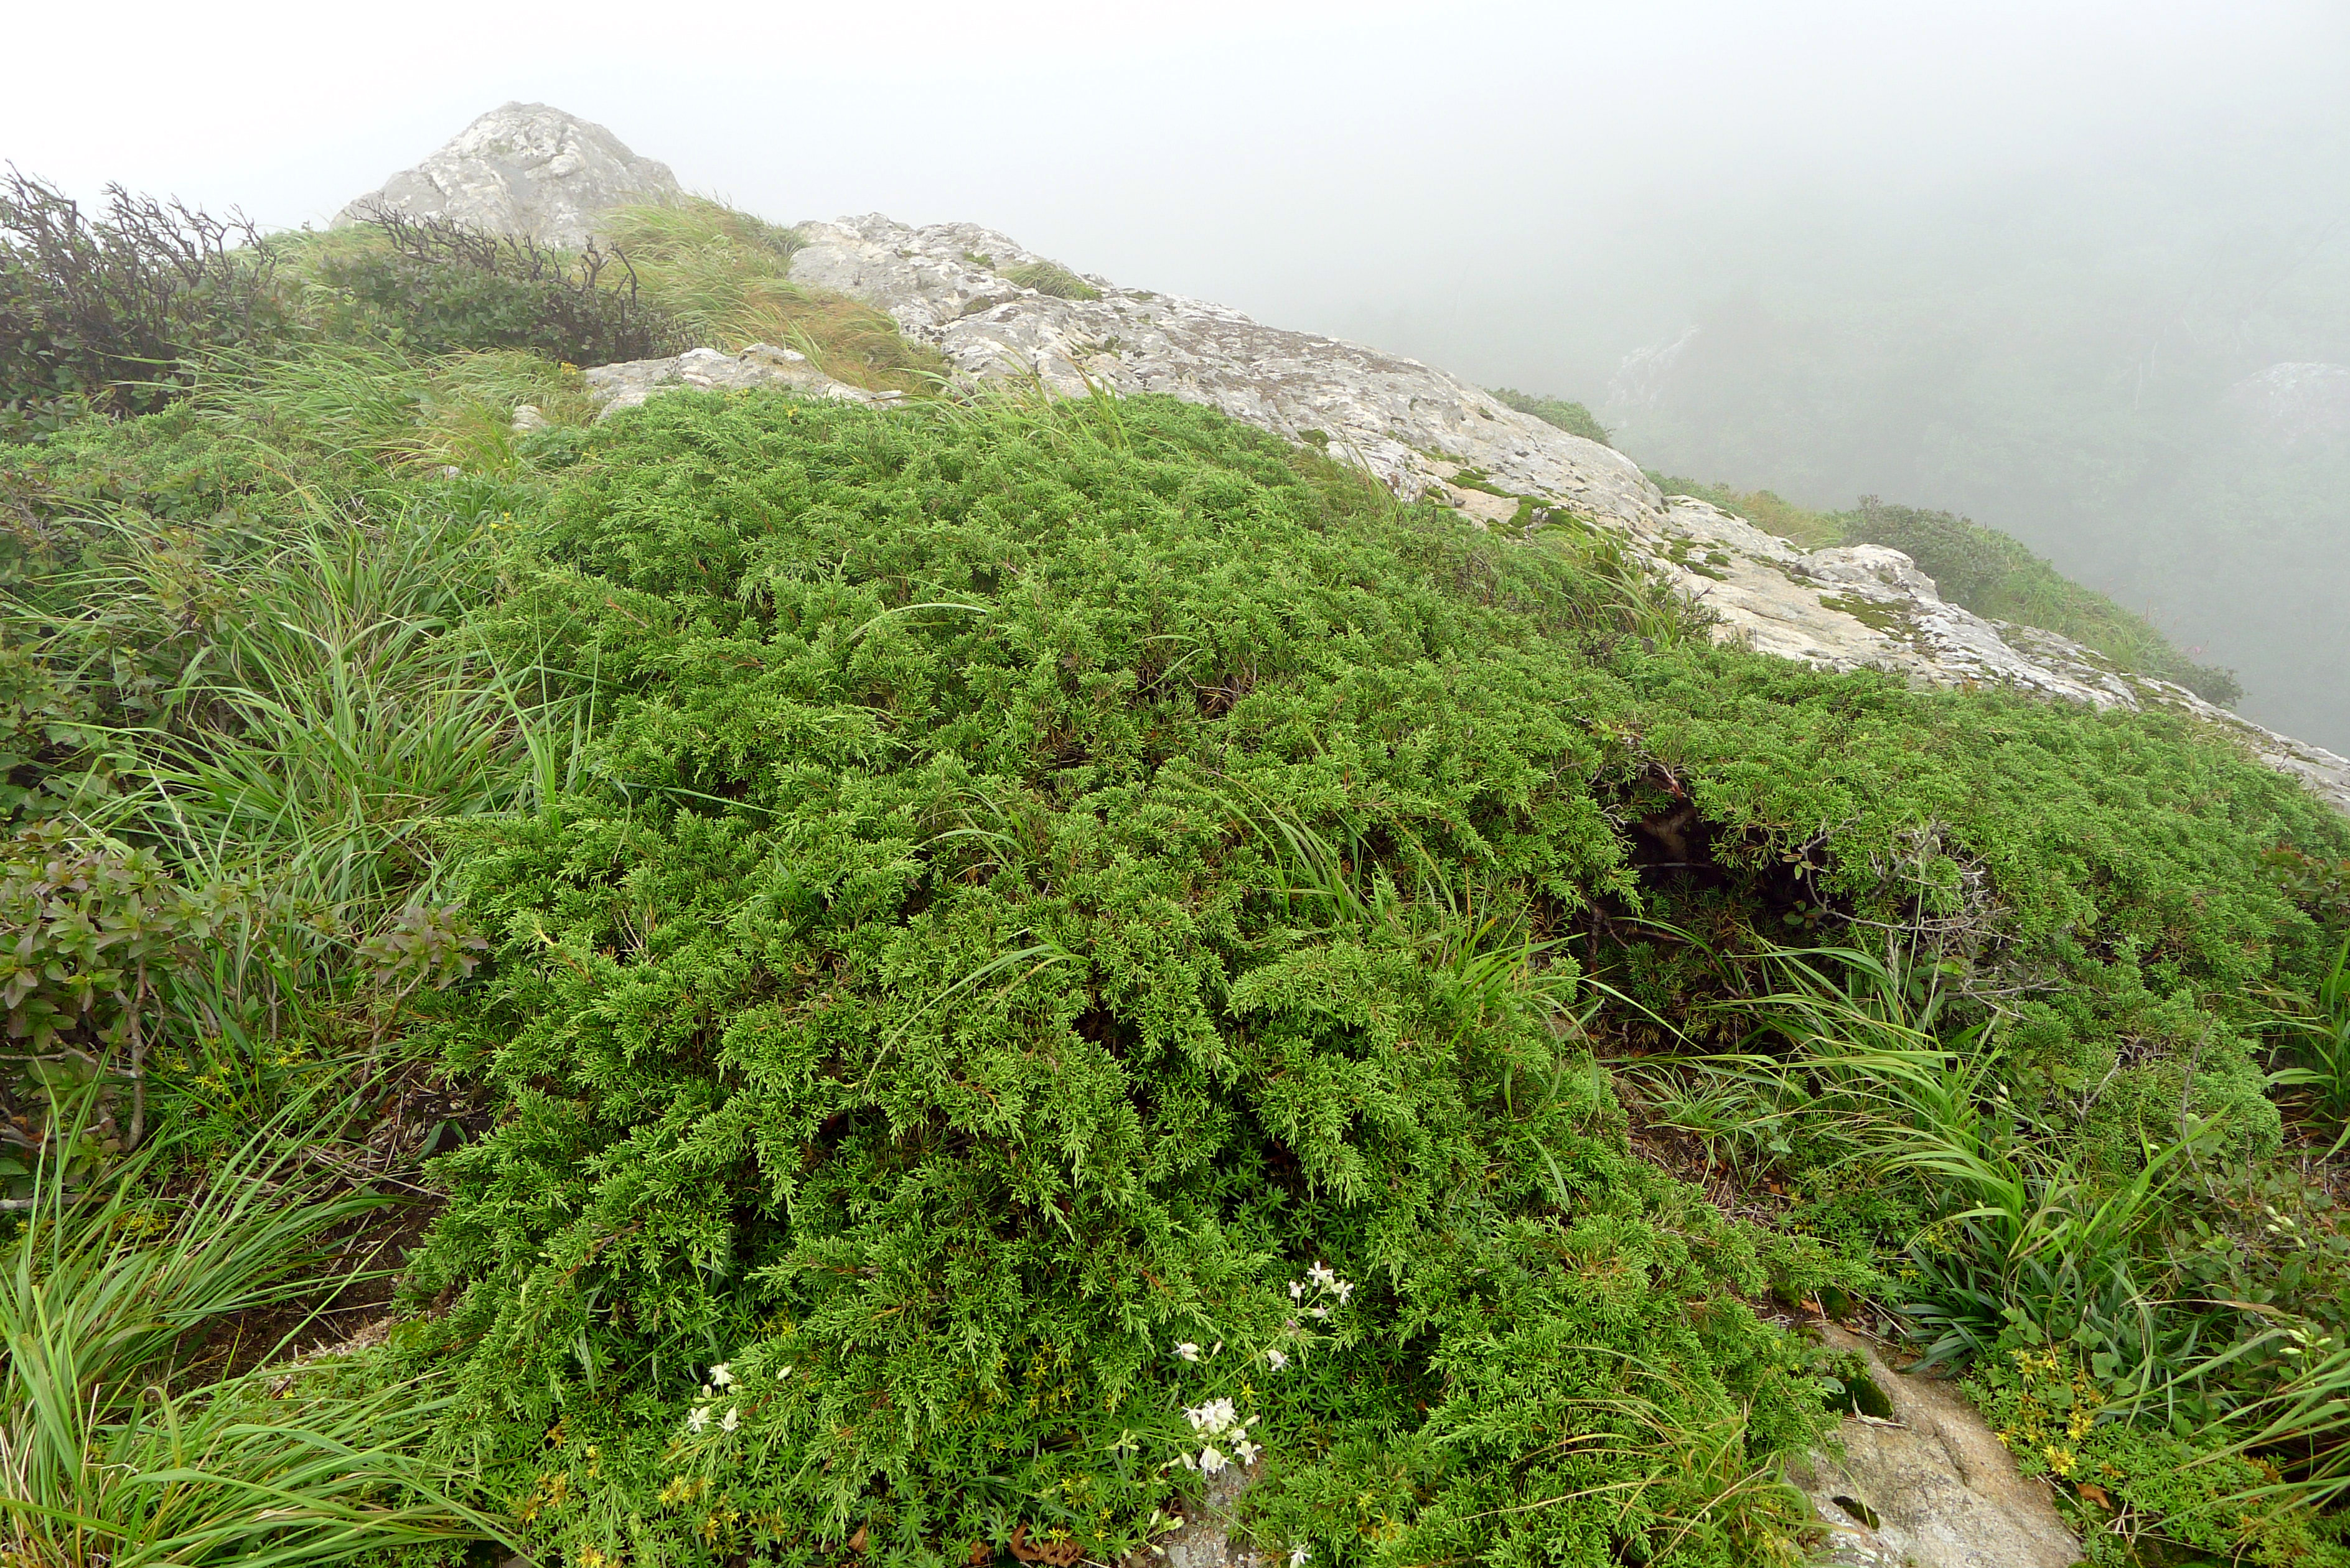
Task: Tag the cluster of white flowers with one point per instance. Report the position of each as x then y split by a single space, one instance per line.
1323 1281
698 1418
1219 1423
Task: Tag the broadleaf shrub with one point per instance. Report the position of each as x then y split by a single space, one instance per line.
439 287
107 312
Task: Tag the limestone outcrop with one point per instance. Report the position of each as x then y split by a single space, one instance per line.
525 169
1930 1486
612 387
1423 431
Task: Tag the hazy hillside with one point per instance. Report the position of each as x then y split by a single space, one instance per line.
829 895
2080 365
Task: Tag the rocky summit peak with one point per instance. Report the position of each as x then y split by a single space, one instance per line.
526 170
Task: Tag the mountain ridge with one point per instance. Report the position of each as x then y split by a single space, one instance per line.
958 288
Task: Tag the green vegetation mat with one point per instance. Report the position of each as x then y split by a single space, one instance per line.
917 984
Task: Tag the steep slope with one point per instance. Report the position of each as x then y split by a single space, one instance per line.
995 309
1420 428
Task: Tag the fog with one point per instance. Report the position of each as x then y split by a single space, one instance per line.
2027 262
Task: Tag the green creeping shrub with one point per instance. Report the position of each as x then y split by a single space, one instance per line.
1571 417
1054 892
1065 906
437 287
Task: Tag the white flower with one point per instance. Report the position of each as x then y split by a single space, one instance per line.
1214 1417
1275 1359
1188 1351
1346 1288
1247 1452
733 1419
1188 1462
1299 1556
1212 1460
1322 1274
1217 1348
697 1417
723 1375
1296 1289
1318 1312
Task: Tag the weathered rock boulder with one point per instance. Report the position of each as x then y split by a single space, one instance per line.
1423 431
524 169
1930 1486
612 387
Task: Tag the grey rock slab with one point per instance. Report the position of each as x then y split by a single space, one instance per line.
1402 420
628 384
523 170
1931 1488
1204 1539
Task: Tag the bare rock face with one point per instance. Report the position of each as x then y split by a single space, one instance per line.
612 387
524 169
2295 404
1204 1536
1423 431
1931 1487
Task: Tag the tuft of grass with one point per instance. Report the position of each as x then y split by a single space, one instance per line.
291 705
2322 1034
727 276
1766 509
113 1456
1051 278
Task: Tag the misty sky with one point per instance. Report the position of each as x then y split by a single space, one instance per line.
1521 193
1455 167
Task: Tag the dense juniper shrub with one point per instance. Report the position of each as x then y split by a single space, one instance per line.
435 286
1070 919
106 311
950 1015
